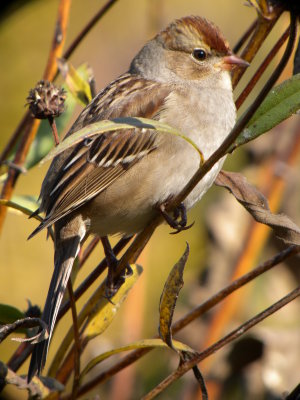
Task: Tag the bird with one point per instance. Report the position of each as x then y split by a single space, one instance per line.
115 182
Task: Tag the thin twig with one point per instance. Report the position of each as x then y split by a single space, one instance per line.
58 40
142 239
245 93
233 335
195 313
27 322
23 351
201 381
88 27
242 122
31 125
52 59
235 285
54 130
256 236
262 29
82 288
244 37
15 137
77 346
82 257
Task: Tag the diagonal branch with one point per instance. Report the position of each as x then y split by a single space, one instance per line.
31 125
28 126
194 314
142 239
233 335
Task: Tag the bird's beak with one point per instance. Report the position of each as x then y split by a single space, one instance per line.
233 61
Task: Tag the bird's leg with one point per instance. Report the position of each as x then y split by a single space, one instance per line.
113 282
179 219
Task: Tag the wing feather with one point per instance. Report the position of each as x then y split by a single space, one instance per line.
79 174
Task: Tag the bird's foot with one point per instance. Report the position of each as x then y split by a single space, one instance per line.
179 219
113 281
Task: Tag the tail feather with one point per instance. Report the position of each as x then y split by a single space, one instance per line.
65 252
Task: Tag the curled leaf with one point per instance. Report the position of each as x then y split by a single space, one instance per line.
141 344
169 297
103 126
257 205
24 204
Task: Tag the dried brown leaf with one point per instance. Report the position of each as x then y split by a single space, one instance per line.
257 205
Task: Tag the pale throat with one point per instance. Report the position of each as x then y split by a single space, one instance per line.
213 112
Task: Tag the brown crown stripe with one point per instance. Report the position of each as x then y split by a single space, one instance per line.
189 29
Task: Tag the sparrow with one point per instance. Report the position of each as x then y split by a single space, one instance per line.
114 182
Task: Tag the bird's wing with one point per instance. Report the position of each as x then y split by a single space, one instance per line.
95 163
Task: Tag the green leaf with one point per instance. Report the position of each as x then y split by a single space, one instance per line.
140 344
24 204
169 297
280 104
77 81
100 127
9 314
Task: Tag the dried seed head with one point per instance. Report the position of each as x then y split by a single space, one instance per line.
46 100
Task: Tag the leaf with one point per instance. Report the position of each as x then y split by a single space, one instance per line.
169 297
103 126
98 313
280 104
77 81
38 388
140 344
102 311
257 205
9 314
24 204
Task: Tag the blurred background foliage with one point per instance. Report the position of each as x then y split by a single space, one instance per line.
216 239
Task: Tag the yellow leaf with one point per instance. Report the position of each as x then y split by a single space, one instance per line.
169 297
140 344
76 81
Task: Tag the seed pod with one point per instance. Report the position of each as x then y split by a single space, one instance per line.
46 100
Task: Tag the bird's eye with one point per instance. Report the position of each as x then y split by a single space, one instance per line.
199 54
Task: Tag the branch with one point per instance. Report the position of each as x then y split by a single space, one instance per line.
29 124
192 315
245 93
77 345
233 335
142 239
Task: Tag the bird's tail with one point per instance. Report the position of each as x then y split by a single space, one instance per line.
67 244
